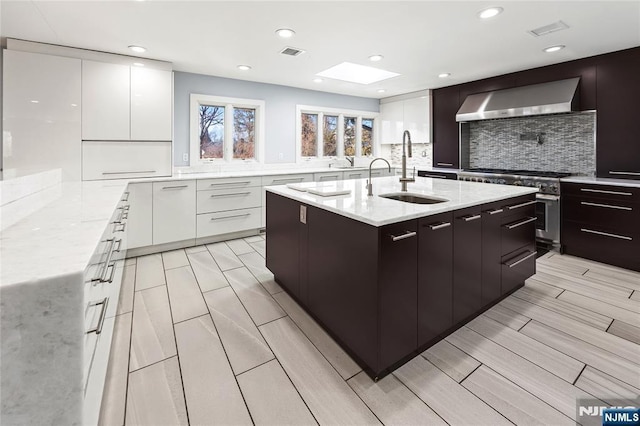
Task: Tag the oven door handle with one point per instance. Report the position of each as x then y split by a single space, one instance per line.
545 197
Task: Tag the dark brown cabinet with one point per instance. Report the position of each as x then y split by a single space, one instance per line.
618 126
445 128
435 276
467 262
491 251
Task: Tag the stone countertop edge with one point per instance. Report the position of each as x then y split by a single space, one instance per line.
377 211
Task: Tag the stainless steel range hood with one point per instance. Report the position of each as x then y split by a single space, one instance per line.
538 99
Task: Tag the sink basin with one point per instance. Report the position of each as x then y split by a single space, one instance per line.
413 198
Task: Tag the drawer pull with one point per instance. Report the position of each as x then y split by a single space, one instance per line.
602 191
233 194
334 177
469 218
524 222
355 175
300 179
517 206
111 265
434 176
608 206
624 173
103 312
130 172
119 227
444 164
606 234
517 262
440 226
407 234
495 211
230 217
126 196
231 183
175 187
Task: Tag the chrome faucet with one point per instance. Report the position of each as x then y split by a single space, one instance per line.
404 179
369 184
351 160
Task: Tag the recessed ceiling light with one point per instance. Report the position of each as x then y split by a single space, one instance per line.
552 49
490 12
138 64
375 58
35 102
317 80
355 73
137 49
244 67
381 90
285 32
444 75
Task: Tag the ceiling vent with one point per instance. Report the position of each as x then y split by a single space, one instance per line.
548 29
291 51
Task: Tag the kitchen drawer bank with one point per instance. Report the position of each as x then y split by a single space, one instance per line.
61 269
388 279
174 213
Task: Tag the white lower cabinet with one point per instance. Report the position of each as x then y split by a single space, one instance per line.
327 176
356 174
210 224
174 211
140 228
120 160
222 199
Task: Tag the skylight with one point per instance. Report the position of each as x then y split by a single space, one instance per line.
355 73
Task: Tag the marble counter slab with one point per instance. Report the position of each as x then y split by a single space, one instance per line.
632 183
379 211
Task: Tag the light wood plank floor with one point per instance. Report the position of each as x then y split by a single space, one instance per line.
205 336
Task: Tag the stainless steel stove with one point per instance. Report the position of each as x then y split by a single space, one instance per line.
548 197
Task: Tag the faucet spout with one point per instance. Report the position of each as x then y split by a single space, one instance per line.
406 136
369 184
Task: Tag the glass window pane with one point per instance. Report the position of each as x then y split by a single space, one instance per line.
309 135
350 136
244 124
330 136
367 136
211 131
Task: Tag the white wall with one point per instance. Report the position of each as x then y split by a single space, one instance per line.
280 106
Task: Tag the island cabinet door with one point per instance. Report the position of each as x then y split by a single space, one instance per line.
397 291
467 262
492 215
435 276
283 228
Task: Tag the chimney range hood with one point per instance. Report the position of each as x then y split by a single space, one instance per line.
537 99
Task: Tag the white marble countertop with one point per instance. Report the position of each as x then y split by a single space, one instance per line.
602 181
379 211
61 234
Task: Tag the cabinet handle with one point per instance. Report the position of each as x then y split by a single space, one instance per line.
606 234
103 272
407 234
119 226
585 203
517 206
126 196
230 183
495 211
517 262
103 312
602 191
300 179
524 222
329 177
175 187
232 216
439 226
624 173
355 175
111 265
432 176
469 218
230 195
444 164
130 172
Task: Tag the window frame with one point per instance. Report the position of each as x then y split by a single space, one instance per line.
229 104
341 114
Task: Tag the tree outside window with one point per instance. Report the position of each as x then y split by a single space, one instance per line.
244 120
309 135
367 136
330 136
211 131
350 136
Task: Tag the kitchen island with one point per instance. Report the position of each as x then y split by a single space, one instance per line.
388 278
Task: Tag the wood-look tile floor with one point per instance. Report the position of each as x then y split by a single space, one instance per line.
205 336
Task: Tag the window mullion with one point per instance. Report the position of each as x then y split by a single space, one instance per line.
320 144
228 132
358 136
340 136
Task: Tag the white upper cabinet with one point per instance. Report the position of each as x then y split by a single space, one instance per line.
105 101
150 104
412 114
120 102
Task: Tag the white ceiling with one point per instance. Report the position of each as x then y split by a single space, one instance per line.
419 39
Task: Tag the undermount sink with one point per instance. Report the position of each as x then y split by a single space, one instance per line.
413 198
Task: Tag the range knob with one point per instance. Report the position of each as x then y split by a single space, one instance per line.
501 182
553 188
541 186
517 183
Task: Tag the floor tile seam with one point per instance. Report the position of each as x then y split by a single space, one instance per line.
599 285
601 301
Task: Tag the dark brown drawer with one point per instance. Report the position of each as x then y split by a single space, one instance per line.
518 233
601 192
602 244
519 207
622 215
517 267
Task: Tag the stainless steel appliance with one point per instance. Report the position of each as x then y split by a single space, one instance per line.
548 197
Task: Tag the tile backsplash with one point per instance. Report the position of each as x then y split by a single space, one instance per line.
421 154
567 143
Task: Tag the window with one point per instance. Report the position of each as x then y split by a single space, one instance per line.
225 129
328 132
